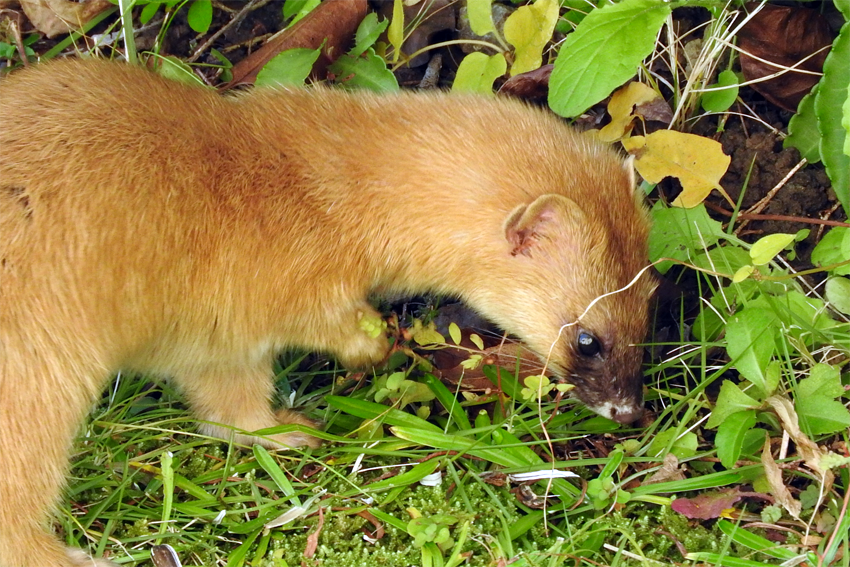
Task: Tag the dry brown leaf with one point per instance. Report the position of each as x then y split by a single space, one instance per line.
698 163
55 17
806 448
332 22
622 110
669 471
783 35
531 85
773 474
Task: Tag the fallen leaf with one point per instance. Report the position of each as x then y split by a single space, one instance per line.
783 36
55 17
773 474
622 110
706 506
698 163
331 26
808 450
531 85
669 471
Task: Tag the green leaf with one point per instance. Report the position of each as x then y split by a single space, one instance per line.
395 33
200 15
480 16
833 248
721 100
767 247
803 131
829 106
477 72
678 233
368 32
731 434
290 67
730 401
454 333
815 402
367 72
683 447
750 342
838 294
603 53
177 70
529 29
298 8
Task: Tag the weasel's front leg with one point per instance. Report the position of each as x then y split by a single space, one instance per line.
240 396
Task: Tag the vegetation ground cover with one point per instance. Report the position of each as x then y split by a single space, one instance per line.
742 458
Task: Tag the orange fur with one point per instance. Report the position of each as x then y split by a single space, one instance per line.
156 227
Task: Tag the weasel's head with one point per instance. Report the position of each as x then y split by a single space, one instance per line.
578 291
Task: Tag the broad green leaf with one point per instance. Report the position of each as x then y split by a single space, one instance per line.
722 100
288 68
730 436
603 53
723 259
679 233
824 380
838 294
829 106
395 33
200 15
529 29
816 405
750 342
833 248
368 32
480 16
367 72
477 72
684 447
767 247
845 122
730 401
803 131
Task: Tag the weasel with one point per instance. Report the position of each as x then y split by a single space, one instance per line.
157 227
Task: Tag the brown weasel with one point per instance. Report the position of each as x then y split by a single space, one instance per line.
156 227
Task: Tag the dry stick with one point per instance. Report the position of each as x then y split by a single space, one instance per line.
758 207
252 5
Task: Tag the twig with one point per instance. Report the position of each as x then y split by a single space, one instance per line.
250 6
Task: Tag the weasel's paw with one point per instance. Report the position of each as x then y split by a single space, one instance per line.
367 346
79 558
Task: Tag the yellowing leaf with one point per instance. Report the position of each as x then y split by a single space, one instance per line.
480 16
769 246
697 162
528 30
742 273
395 31
622 107
477 72
454 333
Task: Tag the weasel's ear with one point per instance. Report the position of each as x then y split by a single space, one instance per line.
544 219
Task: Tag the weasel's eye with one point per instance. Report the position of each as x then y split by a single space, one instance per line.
588 345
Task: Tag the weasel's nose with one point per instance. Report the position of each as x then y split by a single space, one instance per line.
626 415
